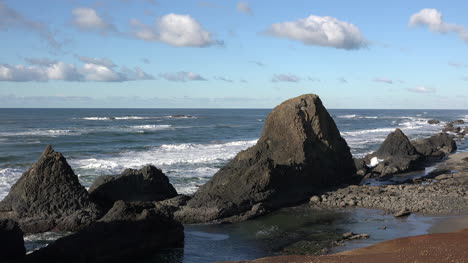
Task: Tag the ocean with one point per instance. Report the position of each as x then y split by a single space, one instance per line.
189 145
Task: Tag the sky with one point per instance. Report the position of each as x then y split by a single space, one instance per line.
233 54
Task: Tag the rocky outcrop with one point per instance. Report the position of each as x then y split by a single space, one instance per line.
433 121
146 184
11 240
49 197
395 155
436 146
398 154
300 151
128 232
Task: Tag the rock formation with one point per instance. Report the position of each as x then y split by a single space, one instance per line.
300 151
49 197
397 155
128 232
436 146
146 184
11 240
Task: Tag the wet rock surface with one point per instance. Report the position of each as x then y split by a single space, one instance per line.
299 152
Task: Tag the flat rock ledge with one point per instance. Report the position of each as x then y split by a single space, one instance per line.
444 192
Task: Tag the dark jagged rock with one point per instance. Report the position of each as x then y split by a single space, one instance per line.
457 122
146 184
361 167
299 152
433 121
436 146
49 197
11 240
128 232
398 155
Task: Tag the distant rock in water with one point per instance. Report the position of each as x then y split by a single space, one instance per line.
433 121
49 197
146 184
436 146
397 154
129 232
11 240
299 153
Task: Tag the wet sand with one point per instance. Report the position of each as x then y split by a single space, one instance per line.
441 247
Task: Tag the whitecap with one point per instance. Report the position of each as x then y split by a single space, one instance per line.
349 116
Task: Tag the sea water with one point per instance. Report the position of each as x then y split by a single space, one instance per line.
189 145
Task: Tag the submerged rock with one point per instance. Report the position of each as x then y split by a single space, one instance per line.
433 121
146 184
398 155
299 153
49 197
128 232
11 240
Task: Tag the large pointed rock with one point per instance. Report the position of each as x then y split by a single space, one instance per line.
300 152
49 197
146 184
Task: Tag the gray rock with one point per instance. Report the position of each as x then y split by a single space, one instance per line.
128 232
48 193
299 153
436 146
433 121
403 212
146 184
11 240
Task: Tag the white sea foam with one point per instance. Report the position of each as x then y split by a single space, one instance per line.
349 116
8 177
41 132
118 118
151 127
196 162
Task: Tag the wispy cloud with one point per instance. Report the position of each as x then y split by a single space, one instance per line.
432 19
342 80
182 76
10 18
323 31
87 19
224 79
285 78
93 69
244 7
258 63
458 64
422 89
384 80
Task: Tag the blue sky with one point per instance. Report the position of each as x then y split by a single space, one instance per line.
233 54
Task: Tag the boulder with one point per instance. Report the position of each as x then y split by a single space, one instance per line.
457 122
398 155
11 240
361 167
146 184
299 152
433 121
436 146
49 197
129 232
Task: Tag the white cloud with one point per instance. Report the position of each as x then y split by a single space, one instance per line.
432 19
285 78
244 8
70 72
10 18
422 89
87 19
384 80
175 30
321 31
181 76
